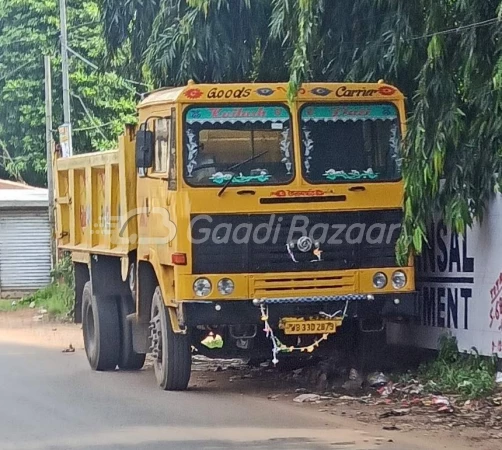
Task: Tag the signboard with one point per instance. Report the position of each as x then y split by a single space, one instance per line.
459 280
65 139
345 113
238 114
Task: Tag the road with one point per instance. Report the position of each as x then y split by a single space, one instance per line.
52 400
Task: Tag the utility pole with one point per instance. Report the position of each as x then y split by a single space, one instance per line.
49 143
66 77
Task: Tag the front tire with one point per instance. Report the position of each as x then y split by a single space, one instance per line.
100 323
171 351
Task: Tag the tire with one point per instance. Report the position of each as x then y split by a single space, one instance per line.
128 359
171 351
100 323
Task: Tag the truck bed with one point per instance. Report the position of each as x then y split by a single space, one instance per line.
95 195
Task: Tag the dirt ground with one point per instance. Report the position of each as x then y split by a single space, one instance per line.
474 427
22 326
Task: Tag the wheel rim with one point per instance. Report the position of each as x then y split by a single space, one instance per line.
156 336
90 331
132 279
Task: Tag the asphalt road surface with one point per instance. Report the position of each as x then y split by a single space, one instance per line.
52 400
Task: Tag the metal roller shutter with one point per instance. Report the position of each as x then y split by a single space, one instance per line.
25 261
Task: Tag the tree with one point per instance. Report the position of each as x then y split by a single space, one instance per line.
101 102
174 41
444 54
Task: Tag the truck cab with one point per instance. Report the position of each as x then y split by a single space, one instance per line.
231 222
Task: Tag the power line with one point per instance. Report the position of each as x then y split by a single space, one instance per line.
458 29
82 58
90 116
80 25
17 69
107 124
95 67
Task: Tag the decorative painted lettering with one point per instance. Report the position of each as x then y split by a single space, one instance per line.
308 145
394 147
285 146
333 175
496 304
229 93
344 91
265 92
387 90
321 91
222 178
193 93
193 150
290 193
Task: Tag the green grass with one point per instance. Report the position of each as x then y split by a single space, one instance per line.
57 299
6 306
466 374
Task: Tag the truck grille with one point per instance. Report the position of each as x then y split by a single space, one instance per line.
303 285
219 243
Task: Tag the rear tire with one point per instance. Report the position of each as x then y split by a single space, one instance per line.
129 359
171 351
100 323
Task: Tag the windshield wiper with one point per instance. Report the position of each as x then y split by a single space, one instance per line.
236 166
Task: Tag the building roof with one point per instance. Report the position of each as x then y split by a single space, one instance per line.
7 184
18 195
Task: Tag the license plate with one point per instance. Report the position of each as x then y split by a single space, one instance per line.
310 326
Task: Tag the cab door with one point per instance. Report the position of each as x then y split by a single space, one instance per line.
155 193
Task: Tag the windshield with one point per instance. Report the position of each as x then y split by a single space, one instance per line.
350 143
219 139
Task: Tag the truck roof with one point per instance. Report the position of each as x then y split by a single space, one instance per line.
273 92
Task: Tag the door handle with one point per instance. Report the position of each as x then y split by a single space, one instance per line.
147 206
246 192
357 189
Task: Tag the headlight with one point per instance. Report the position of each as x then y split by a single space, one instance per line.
398 280
202 287
379 280
226 286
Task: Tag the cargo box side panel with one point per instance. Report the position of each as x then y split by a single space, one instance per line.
127 231
96 201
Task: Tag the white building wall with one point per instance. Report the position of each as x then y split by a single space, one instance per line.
459 280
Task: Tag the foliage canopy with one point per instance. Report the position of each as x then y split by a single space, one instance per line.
29 29
444 54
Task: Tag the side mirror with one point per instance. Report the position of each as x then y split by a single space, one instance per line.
144 149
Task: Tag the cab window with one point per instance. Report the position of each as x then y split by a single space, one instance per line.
162 141
171 160
347 143
243 145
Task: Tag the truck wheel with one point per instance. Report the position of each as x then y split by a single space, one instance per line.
129 359
171 351
100 322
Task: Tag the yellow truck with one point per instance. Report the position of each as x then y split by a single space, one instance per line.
231 222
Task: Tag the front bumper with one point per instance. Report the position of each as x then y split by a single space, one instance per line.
295 284
248 312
